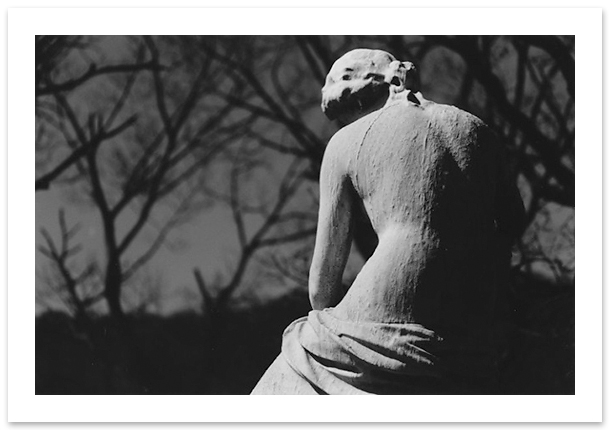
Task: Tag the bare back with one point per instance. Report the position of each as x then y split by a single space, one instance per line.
420 316
427 177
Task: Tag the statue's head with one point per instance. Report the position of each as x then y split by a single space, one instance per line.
362 80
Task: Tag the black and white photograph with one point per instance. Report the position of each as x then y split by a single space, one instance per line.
190 207
258 216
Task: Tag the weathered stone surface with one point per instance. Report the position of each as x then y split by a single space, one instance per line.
358 83
422 315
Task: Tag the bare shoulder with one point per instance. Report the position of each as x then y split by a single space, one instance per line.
343 146
334 161
454 115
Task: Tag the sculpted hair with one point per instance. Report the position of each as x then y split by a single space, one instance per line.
362 80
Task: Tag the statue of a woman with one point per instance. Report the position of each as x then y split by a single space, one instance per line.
422 316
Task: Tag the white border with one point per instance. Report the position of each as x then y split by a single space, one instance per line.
23 405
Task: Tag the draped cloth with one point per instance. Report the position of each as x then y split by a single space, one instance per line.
322 354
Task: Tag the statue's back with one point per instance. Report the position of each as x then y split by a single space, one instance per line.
420 316
426 176
422 164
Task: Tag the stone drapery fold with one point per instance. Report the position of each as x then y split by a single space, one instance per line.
336 356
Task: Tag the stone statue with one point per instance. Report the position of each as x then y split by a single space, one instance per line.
423 314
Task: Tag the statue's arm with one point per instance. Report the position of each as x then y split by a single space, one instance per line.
333 236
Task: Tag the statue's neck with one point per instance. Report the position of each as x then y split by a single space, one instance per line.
347 118
413 97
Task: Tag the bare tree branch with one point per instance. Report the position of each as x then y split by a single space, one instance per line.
93 71
59 256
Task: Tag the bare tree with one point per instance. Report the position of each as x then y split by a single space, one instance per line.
51 53
158 145
75 290
260 224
